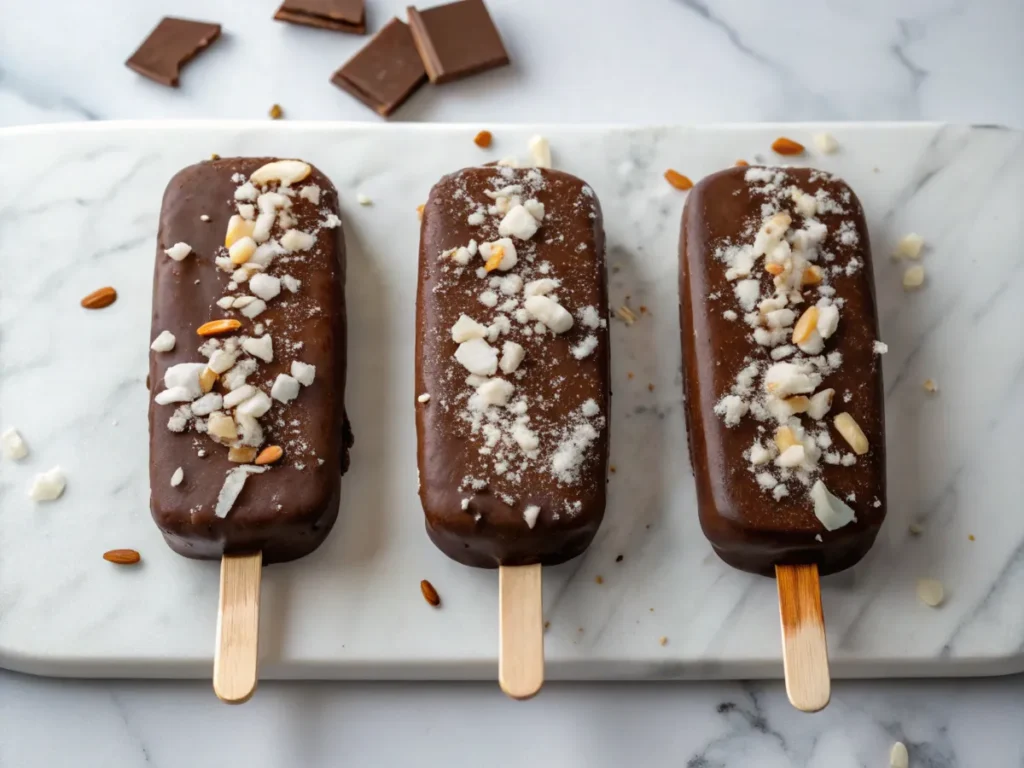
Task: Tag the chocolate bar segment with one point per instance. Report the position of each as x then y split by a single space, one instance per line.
512 379
338 15
169 46
781 356
248 436
457 40
385 72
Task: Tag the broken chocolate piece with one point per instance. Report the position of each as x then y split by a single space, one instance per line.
169 46
385 72
457 40
338 15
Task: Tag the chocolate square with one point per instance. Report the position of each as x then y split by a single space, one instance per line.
338 15
169 46
386 71
457 40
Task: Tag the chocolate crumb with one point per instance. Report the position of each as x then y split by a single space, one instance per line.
618 559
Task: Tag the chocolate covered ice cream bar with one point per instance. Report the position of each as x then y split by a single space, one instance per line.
784 400
512 379
248 435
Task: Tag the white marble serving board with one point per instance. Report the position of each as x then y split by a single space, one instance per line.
79 210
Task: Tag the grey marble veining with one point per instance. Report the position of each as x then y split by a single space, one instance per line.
72 381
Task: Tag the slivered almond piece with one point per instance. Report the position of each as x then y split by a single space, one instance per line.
269 455
497 254
237 229
242 455
742 163
419 211
812 275
215 327
805 325
784 438
122 556
483 139
851 432
207 379
784 146
677 180
774 268
798 403
100 298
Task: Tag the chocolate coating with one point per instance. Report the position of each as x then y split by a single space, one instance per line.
747 528
490 530
287 511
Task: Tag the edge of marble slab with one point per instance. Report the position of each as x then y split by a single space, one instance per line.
596 670
102 125
485 668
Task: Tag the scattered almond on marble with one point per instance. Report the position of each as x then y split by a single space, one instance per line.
276 113
930 386
678 180
122 556
483 139
784 146
429 593
100 298
913 278
930 592
898 756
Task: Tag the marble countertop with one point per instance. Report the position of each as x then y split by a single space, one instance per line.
954 60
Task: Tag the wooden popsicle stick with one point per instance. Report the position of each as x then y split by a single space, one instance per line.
804 651
238 628
521 628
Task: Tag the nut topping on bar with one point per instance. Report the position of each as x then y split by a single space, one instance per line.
790 330
214 398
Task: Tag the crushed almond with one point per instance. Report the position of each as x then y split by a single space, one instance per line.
276 113
678 180
483 139
784 439
742 163
930 386
268 455
806 325
241 454
599 579
215 327
626 315
662 640
784 146
207 379
497 254
419 211
812 275
851 432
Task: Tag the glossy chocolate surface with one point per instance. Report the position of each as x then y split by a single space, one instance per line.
485 526
287 511
746 526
